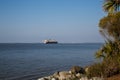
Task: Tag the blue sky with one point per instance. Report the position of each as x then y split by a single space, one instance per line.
68 21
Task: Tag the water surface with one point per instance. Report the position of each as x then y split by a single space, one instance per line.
27 61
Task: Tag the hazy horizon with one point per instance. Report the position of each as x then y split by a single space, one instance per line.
55 44
67 21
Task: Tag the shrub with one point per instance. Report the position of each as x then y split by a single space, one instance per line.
106 68
95 70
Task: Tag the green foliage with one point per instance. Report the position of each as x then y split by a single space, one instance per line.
110 54
95 70
110 27
106 68
99 54
111 6
110 51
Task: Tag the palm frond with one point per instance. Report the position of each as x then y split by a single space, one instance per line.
111 6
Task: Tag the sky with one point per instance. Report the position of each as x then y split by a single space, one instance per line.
67 21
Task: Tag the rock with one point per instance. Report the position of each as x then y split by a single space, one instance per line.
47 78
56 74
84 78
54 79
97 78
43 79
77 69
87 70
64 75
78 75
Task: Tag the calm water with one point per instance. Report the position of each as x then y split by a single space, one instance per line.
31 61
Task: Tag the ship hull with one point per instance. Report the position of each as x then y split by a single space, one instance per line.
51 42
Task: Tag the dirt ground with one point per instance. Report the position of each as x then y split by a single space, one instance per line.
115 77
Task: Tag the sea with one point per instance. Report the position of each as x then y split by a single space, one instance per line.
30 61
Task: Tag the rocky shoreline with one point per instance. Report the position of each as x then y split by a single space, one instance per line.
75 73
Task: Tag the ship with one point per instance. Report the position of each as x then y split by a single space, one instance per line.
50 41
